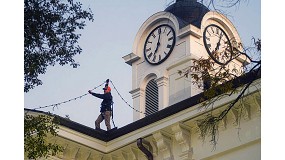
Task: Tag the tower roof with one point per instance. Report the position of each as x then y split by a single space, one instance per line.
188 12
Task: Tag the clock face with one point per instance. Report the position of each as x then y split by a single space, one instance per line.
159 44
217 44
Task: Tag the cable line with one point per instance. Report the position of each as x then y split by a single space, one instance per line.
79 97
124 99
57 104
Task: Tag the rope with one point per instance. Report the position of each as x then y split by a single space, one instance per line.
124 99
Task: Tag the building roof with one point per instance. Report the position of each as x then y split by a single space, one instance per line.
164 113
188 12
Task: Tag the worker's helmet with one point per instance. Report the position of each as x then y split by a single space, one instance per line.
107 89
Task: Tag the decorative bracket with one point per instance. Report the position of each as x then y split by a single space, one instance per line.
183 137
154 147
124 155
246 109
163 141
257 100
223 123
235 113
70 152
134 152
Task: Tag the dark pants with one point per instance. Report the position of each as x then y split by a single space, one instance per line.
104 115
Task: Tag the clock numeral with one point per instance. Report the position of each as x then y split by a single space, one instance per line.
168 32
209 32
153 35
217 30
207 38
168 46
164 30
150 55
159 30
212 30
165 53
154 57
209 46
171 38
149 42
221 34
148 49
159 57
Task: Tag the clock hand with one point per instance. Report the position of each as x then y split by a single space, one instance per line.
218 44
158 44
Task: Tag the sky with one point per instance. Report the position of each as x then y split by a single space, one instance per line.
104 42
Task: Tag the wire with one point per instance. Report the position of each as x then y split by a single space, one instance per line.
79 97
57 104
125 100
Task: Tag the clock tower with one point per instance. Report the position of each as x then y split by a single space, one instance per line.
165 43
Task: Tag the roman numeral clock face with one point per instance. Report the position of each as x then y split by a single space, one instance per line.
159 44
217 44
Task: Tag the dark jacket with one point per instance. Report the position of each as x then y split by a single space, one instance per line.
107 101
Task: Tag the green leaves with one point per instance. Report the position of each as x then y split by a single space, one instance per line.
36 131
50 36
217 82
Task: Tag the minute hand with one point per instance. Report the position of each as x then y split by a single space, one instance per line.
218 44
157 45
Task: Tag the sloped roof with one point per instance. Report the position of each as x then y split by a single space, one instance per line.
164 113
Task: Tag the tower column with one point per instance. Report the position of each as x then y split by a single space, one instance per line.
163 92
138 96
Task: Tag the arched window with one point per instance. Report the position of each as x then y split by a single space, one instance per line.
151 97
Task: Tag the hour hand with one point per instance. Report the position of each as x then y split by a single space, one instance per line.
218 46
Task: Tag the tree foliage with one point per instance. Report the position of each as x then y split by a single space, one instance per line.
50 36
214 79
222 5
36 131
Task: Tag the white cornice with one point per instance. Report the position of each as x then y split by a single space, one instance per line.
82 139
131 58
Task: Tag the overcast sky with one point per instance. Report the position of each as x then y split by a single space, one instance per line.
104 42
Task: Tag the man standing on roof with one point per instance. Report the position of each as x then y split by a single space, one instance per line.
106 110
